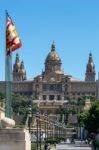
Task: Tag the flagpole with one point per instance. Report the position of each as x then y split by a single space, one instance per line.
12 43
8 81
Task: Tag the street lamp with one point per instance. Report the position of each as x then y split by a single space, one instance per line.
53 131
37 120
60 130
29 117
56 129
46 131
50 129
64 130
40 131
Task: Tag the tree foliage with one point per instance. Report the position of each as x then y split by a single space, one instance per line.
90 119
2 99
20 104
2 96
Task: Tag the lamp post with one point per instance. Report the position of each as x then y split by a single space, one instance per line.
56 129
59 130
53 130
64 130
29 117
37 120
50 129
46 131
40 130
37 133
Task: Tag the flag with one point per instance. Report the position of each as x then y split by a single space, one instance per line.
12 39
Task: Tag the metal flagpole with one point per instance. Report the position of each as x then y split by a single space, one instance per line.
12 43
8 82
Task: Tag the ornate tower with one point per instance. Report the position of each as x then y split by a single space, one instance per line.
19 73
53 61
22 71
90 70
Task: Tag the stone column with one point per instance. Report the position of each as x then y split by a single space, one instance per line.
47 97
55 97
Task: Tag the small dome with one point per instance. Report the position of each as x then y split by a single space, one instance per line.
53 56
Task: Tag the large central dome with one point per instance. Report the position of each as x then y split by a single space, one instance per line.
53 56
53 61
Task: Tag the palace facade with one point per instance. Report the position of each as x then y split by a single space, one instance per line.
53 84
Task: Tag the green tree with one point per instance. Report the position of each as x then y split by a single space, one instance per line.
20 104
2 96
81 118
2 99
90 119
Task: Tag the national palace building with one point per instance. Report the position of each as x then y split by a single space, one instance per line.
53 84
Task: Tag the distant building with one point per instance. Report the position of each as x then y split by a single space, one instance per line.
19 73
53 85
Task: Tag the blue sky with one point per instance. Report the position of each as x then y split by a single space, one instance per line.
72 24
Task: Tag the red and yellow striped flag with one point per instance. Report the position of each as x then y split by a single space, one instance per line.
12 39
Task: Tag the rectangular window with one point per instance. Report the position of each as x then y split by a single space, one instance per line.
51 87
44 97
45 87
58 97
59 87
51 97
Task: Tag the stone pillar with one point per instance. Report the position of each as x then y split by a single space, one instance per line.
47 97
55 97
14 139
2 113
62 98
